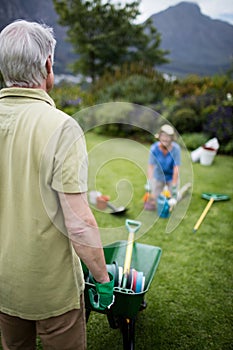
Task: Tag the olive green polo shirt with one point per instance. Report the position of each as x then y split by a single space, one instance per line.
42 151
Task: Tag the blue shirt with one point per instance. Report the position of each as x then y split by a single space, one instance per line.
164 164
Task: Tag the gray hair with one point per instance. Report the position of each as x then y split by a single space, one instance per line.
24 50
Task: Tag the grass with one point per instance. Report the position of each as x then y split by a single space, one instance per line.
190 298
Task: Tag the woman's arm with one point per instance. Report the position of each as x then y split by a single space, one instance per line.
175 175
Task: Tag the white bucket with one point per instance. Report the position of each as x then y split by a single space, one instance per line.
196 154
207 156
213 143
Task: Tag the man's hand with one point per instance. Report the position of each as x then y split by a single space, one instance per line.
102 298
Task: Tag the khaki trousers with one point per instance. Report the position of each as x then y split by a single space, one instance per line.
64 332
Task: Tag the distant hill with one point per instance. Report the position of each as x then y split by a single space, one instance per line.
41 11
197 43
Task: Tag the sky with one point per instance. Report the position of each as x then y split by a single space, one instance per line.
216 9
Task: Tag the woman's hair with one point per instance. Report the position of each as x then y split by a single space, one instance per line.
24 50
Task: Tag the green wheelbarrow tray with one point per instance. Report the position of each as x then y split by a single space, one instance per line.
145 258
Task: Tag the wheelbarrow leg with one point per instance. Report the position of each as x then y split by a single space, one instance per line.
127 327
88 312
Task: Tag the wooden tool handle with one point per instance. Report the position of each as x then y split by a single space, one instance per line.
205 211
128 254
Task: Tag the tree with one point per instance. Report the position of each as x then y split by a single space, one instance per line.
105 35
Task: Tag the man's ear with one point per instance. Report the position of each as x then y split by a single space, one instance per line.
48 65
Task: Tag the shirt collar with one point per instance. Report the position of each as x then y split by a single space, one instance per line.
37 94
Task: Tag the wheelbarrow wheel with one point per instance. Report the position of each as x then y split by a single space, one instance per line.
127 326
112 320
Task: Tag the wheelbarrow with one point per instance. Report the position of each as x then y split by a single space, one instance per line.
128 302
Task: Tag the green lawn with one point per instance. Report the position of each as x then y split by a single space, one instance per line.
190 299
189 303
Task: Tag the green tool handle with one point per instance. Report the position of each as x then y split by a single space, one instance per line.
132 225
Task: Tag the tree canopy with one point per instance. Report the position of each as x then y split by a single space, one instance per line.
105 35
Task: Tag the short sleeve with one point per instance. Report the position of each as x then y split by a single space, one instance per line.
70 165
152 158
176 154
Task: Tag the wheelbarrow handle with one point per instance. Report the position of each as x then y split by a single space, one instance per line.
205 211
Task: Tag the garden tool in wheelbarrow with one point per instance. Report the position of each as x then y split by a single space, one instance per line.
126 278
211 197
132 279
127 304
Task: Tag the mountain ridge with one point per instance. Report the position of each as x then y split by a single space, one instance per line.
197 43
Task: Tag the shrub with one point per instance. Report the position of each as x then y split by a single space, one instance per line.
70 97
135 82
194 140
206 111
228 148
220 124
185 120
136 88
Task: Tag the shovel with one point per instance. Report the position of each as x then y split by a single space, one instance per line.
93 197
132 227
116 211
211 197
